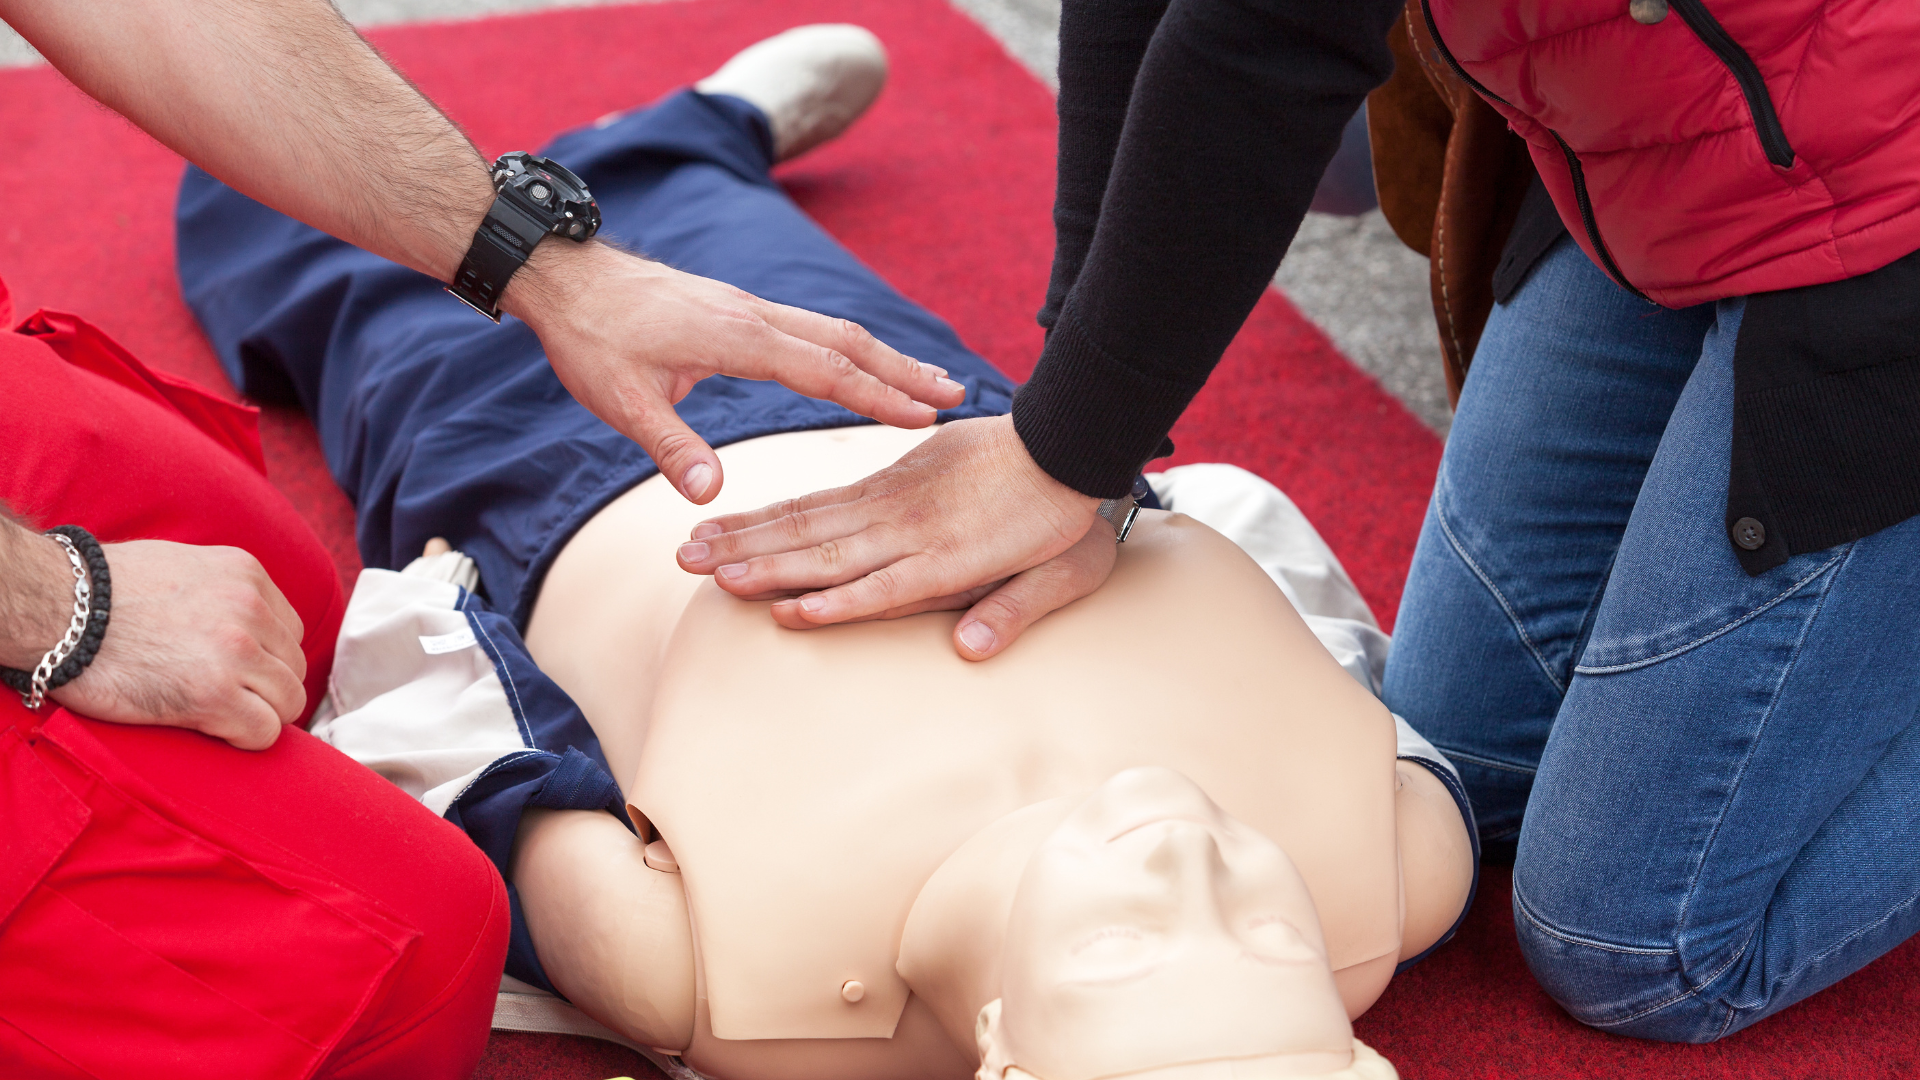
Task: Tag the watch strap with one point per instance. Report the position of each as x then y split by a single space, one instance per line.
501 245
1121 514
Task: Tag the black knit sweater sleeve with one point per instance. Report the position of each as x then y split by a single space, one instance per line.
1192 134
1101 45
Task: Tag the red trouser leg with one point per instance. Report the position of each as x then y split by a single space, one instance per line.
182 908
171 906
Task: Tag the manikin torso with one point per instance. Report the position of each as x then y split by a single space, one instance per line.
811 784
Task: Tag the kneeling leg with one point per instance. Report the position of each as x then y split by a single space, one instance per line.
1723 821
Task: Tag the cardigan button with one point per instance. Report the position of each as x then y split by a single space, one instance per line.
1647 12
1749 534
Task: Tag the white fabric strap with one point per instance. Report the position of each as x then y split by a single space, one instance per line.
413 696
521 1007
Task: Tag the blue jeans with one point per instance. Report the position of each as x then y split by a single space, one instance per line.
1710 782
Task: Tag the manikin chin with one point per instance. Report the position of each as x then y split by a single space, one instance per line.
1145 934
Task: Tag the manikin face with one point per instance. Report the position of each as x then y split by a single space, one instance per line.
1151 930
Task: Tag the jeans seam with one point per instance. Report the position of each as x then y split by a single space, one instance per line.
1843 942
1485 763
1678 998
1526 911
1513 618
1615 669
1693 883
1727 1024
1766 720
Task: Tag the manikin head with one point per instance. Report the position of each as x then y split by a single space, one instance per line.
1151 935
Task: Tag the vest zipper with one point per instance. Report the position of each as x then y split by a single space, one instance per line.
1426 9
1586 216
1766 121
1580 196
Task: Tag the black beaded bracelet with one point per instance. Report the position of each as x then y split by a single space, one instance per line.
102 608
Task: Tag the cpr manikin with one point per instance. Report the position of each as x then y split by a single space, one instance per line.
860 844
1164 833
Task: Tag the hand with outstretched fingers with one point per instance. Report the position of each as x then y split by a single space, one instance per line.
630 337
964 520
286 103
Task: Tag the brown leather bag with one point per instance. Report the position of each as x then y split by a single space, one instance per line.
1450 176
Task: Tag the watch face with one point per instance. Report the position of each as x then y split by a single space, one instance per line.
564 176
549 190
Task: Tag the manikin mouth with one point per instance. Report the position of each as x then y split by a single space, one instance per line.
1210 826
1150 795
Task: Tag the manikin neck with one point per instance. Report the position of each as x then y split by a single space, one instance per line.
952 950
950 954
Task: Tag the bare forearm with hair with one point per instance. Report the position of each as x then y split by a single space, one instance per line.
36 594
285 102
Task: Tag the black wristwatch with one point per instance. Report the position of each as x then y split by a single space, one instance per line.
1122 512
533 198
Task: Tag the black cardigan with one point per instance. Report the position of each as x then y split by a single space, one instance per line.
1192 135
1826 402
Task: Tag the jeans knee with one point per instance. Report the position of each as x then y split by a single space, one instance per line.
1644 991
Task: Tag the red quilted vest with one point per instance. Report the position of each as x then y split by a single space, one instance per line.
1745 147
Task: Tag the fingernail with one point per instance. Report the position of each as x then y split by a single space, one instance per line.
706 529
949 385
694 552
698 479
732 570
940 371
812 604
977 636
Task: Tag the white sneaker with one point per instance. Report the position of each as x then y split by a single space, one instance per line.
812 82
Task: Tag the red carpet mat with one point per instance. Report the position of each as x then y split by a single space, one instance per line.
945 189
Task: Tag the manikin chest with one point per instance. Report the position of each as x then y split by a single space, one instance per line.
809 784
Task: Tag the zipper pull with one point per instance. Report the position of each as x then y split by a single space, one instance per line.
1647 12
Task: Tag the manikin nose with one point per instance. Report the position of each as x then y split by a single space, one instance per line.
1188 856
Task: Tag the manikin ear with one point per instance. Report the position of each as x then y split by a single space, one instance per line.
995 1064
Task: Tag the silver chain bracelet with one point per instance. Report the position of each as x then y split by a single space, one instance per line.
82 611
